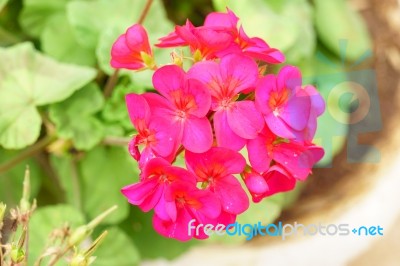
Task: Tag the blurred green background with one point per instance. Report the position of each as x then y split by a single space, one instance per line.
56 118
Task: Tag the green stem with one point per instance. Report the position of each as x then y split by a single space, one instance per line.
112 81
116 141
35 148
76 185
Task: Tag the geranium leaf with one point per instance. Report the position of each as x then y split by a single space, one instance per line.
29 79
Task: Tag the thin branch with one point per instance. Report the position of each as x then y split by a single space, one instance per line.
112 81
32 150
116 141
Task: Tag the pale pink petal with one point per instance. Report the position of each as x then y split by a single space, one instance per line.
197 134
296 111
168 79
278 126
224 134
240 72
317 102
289 77
245 120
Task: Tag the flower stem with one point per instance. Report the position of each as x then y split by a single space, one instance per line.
112 81
38 146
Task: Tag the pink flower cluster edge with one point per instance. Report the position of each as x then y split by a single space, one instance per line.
226 115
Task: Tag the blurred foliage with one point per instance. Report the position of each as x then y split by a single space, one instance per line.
54 64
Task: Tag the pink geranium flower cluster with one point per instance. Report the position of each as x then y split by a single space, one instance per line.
220 108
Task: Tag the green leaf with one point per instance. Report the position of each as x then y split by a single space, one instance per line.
115 109
36 13
63 167
59 42
2 4
29 79
74 117
44 221
348 25
117 249
11 181
104 171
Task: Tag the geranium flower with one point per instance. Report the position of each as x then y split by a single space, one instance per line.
185 105
234 121
215 169
155 136
132 50
297 158
273 181
204 42
286 106
155 180
185 203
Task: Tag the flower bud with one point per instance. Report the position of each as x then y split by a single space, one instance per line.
24 203
17 254
79 235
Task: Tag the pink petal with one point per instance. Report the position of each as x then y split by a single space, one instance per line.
317 102
217 159
159 106
240 72
279 127
167 136
278 181
208 73
221 20
146 155
258 154
296 112
245 120
210 204
138 192
137 39
233 198
255 183
295 158
167 79
201 95
264 87
224 134
155 166
138 108
289 77
171 229
197 134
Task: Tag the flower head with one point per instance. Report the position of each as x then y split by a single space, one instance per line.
234 121
184 103
215 169
132 50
